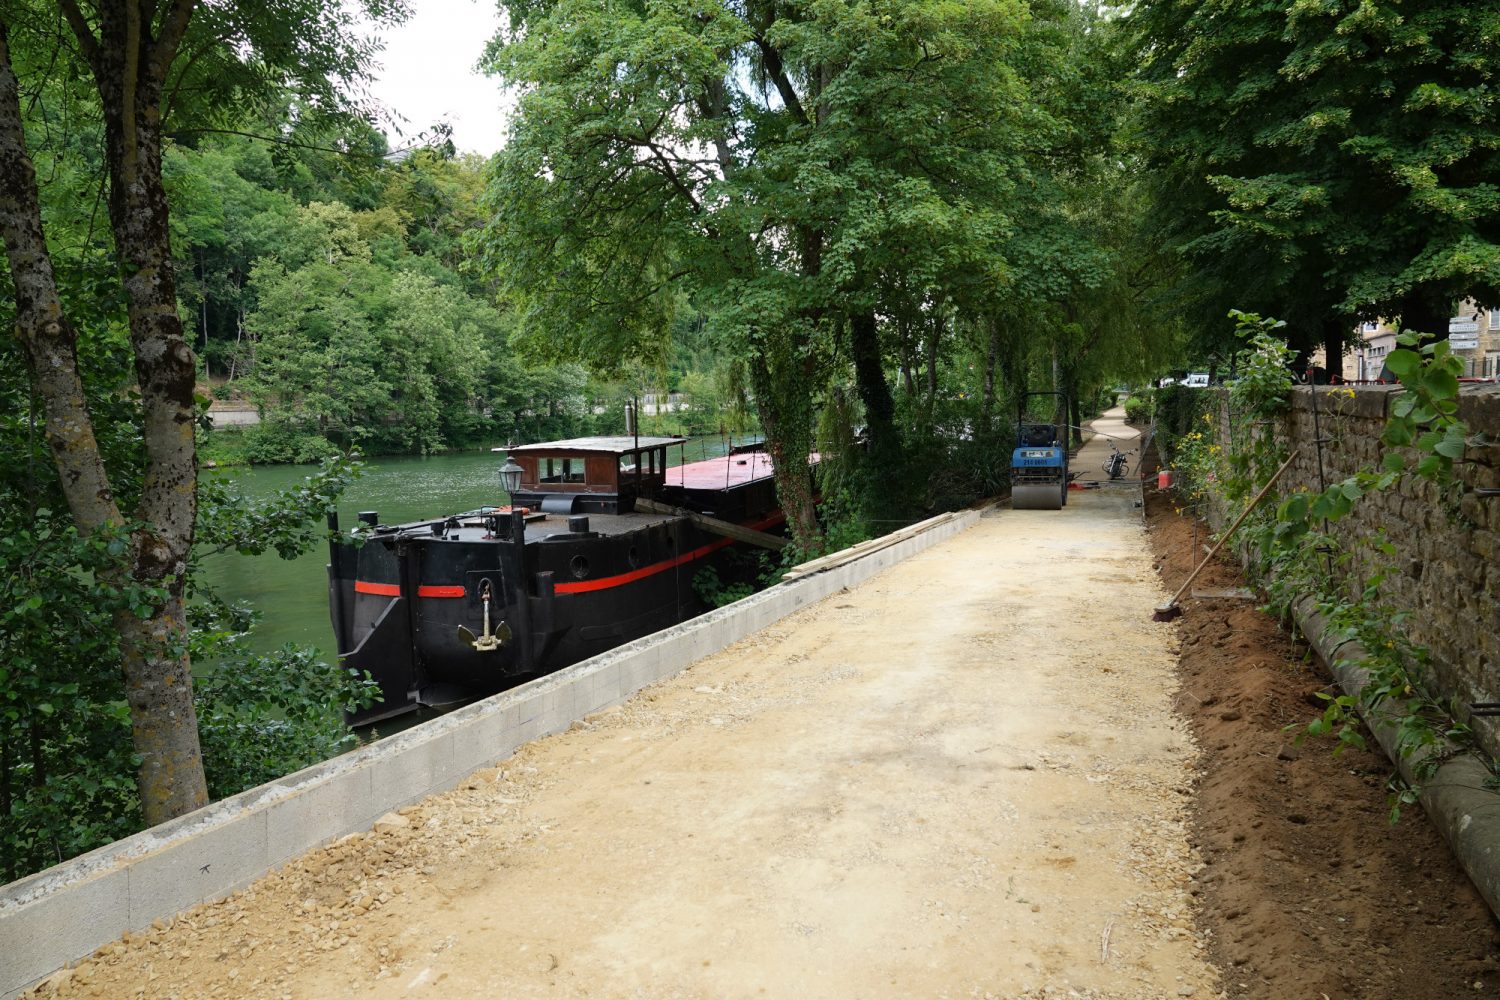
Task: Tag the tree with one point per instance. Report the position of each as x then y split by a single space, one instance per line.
778 162
1328 162
147 64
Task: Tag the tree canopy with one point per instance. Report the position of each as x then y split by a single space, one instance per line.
1326 162
839 184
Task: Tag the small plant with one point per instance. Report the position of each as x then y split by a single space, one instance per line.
713 591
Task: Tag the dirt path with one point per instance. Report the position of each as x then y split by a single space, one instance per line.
962 779
1089 462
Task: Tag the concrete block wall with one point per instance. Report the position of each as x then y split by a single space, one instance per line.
1447 564
66 912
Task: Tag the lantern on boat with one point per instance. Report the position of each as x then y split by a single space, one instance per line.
510 476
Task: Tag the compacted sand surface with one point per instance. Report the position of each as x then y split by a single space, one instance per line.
963 778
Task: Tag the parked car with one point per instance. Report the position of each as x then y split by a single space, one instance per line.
1196 380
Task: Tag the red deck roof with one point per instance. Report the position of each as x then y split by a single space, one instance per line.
721 473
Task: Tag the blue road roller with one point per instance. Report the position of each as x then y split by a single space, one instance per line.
1039 464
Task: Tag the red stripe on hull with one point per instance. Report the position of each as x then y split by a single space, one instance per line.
394 590
378 589
606 582
440 591
582 586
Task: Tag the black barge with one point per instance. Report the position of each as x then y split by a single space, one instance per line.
598 545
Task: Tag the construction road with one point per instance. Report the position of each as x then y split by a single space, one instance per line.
963 778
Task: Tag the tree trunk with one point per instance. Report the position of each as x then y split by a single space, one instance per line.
869 378
1335 338
785 410
129 68
908 380
48 340
935 336
991 361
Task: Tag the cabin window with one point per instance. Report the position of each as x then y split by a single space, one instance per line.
560 470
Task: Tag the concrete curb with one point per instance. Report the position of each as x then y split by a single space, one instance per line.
1456 798
64 913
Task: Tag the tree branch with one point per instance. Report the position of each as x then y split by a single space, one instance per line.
173 27
776 70
87 43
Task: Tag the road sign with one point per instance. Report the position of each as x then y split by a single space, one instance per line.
1464 342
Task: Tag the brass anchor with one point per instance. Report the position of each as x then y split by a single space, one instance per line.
489 641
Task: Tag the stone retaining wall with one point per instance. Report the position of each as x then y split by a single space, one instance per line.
1447 562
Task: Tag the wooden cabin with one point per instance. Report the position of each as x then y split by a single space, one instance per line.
594 474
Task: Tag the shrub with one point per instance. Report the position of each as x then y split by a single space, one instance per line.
1140 407
278 441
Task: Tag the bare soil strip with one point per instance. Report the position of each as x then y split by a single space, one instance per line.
964 778
1308 891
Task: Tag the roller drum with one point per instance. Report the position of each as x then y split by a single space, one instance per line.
1036 496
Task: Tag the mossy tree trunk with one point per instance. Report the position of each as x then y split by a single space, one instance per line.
128 55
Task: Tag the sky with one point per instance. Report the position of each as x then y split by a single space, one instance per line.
427 74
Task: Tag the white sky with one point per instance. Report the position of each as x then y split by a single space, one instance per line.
427 74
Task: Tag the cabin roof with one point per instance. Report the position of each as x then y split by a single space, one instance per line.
597 445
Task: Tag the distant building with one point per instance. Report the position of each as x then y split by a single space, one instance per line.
1375 339
1474 335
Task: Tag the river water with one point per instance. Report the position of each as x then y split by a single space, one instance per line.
292 595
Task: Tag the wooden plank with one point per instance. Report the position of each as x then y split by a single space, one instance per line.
728 529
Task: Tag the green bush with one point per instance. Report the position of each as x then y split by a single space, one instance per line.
1179 408
277 441
1140 407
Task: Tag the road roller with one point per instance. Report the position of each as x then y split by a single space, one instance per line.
1039 464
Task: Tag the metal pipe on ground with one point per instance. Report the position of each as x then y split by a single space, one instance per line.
1457 800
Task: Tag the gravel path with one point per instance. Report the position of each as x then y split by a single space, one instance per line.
963 778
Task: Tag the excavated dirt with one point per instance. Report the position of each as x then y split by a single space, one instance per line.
1308 891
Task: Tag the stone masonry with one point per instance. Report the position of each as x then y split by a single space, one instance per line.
1447 562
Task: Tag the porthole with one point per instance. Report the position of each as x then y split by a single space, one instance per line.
580 567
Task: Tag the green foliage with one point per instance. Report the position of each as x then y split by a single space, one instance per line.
67 780
67 766
1198 461
715 592
264 716
808 177
1329 161
1140 407
277 439
1179 410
